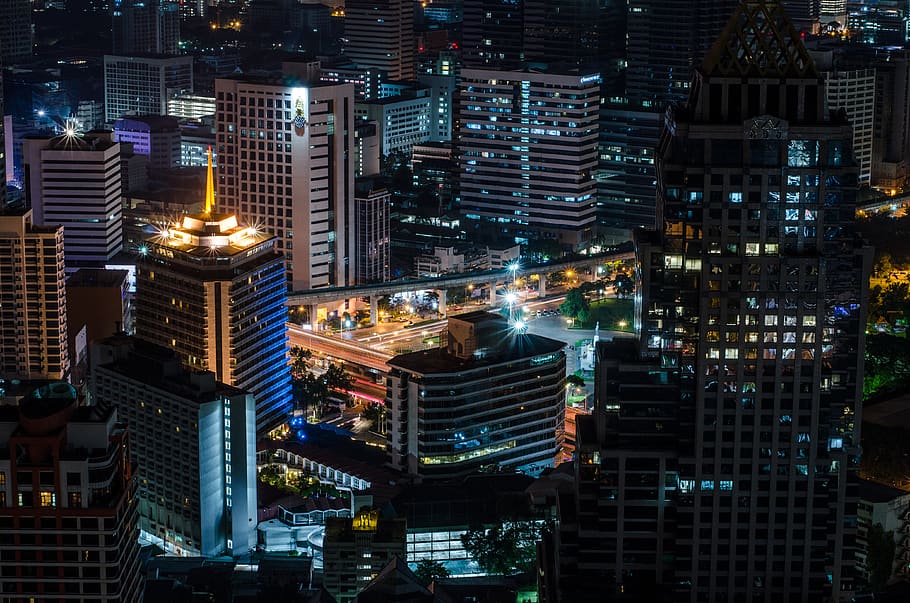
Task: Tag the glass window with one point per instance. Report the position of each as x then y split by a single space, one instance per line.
802 153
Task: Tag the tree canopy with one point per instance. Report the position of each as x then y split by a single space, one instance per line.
506 549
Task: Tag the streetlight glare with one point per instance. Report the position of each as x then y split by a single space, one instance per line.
511 298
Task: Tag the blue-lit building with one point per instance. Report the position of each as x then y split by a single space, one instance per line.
214 291
490 398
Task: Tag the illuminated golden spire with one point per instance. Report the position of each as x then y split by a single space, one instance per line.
209 186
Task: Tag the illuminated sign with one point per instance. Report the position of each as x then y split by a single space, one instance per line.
365 521
299 121
547 359
590 78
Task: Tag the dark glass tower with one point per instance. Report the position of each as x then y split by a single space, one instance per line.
720 462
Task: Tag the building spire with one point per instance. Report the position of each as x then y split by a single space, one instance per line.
209 185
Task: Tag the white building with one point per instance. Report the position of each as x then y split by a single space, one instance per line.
286 155
528 152
442 89
191 106
854 91
33 334
403 120
194 440
76 181
143 85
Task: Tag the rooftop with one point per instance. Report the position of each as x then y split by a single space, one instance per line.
878 493
210 234
97 277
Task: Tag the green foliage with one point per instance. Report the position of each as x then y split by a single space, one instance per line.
311 391
506 549
879 556
575 381
887 366
624 284
429 570
574 304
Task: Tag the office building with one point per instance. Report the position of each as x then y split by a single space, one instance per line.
194 441
145 27
366 148
402 120
32 299
366 80
75 181
356 549
442 92
854 92
492 396
286 163
721 458
380 34
213 290
5 156
15 32
156 136
68 515
528 155
142 85
371 228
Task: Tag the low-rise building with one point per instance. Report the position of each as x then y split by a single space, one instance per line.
491 396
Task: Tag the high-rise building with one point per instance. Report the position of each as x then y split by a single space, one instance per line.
491 397
32 299
286 164
402 120
528 150
142 85
3 157
380 34
664 41
721 458
74 180
187 424
371 227
67 502
854 92
145 27
214 291
15 32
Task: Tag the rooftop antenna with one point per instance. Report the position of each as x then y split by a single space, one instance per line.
209 185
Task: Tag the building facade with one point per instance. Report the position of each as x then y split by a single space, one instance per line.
214 292
194 441
380 34
68 514
402 120
75 181
33 329
491 397
724 466
15 32
155 136
528 150
286 157
854 92
142 85
371 226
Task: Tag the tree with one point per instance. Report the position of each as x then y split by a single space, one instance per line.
575 381
879 556
506 549
429 570
575 302
883 266
624 285
300 361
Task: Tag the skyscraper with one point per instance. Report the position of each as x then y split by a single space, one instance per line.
145 27
380 34
74 180
188 424
67 502
720 462
528 146
286 164
15 32
33 330
214 291
142 85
